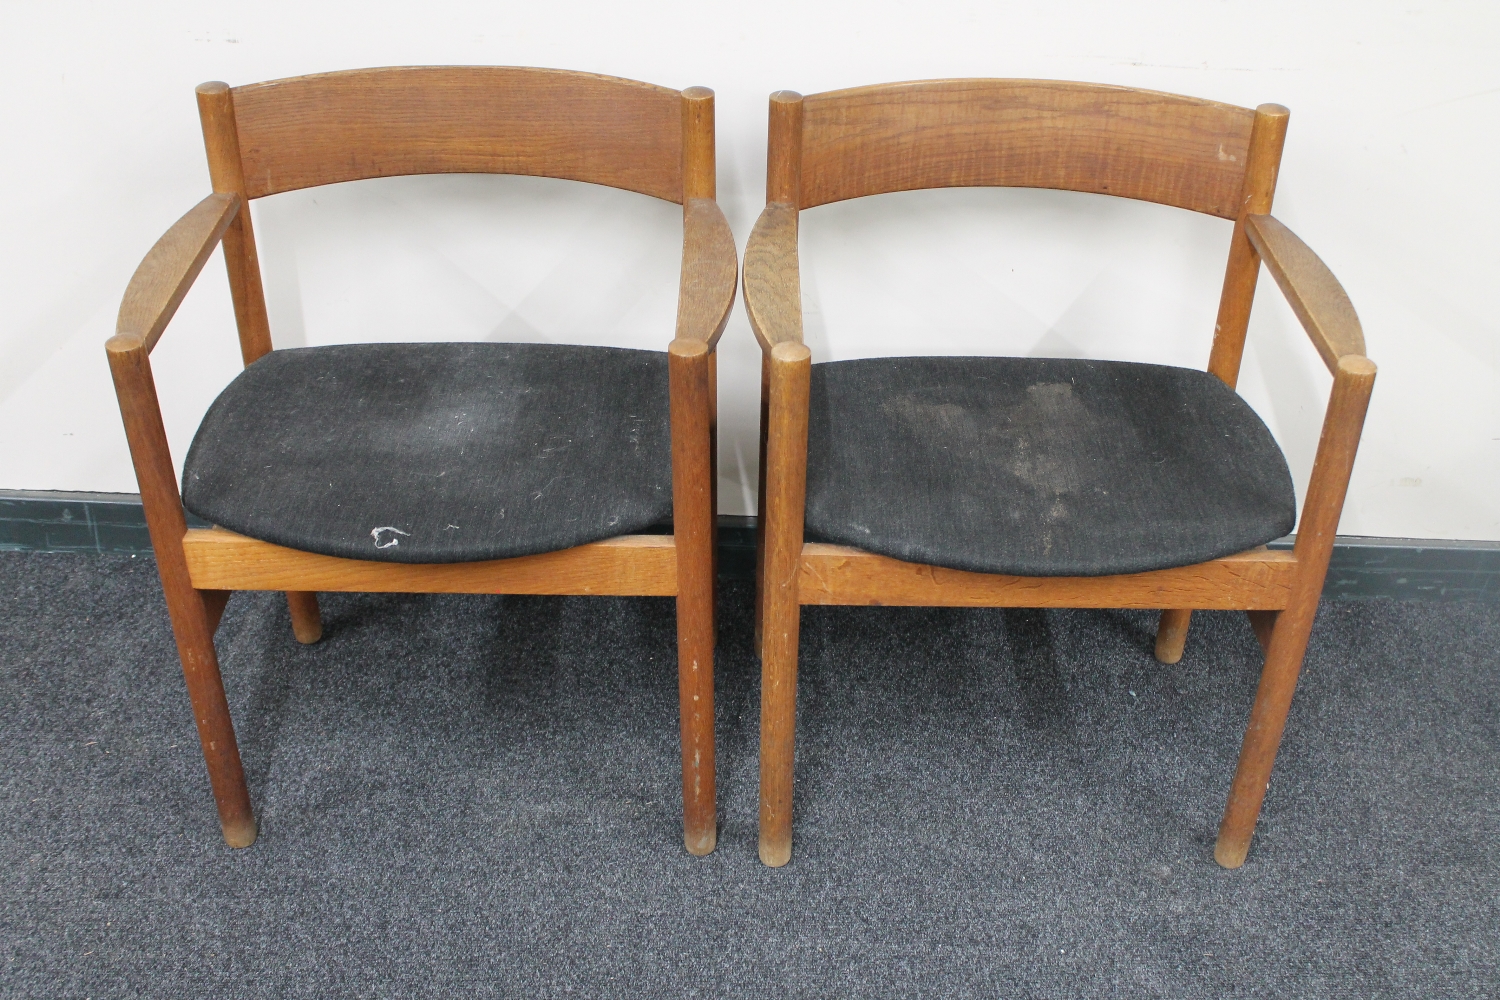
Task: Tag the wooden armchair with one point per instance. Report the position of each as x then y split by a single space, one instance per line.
1029 482
439 468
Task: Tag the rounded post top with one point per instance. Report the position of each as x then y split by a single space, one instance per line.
687 347
123 343
1357 364
786 97
212 87
791 352
1272 111
698 94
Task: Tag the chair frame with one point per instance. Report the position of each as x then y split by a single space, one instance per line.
554 123
812 143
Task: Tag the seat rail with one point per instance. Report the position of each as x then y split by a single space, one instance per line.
1257 580
640 565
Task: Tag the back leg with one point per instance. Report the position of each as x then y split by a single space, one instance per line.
1171 634
307 622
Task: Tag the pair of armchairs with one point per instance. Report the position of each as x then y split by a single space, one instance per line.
543 469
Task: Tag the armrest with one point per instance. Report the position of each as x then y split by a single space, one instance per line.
1314 293
773 281
163 278
710 273
1328 317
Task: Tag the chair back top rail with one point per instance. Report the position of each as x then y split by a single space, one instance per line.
1142 144
322 129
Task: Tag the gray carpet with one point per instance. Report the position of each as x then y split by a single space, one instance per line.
478 796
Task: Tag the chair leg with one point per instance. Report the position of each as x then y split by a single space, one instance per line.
1263 623
1352 381
1171 634
307 623
695 678
781 609
192 625
778 726
690 368
1273 699
195 613
695 689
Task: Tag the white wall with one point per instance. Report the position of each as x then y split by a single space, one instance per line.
1389 175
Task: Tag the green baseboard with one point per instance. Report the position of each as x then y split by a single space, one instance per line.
54 521
1407 568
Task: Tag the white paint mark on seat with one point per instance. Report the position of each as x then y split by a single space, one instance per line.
375 534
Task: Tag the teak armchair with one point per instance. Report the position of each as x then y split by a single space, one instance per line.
392 467
1026 482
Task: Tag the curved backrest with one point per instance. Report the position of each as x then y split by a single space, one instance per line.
311 130
266 138
1141 144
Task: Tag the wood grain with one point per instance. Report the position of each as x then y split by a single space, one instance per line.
836 574
786 486
760 501
1242 271
699 160
1141 144
241 259
1171 634
773 281
1263 623
709 280
713 452
332 127
644 565
169 269
1353 381
194 614
693 527
307 619
214 602
1315 295
784 149
710 273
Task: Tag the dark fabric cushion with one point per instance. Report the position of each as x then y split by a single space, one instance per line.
1039 466
437 452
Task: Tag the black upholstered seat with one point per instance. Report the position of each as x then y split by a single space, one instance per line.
1039 467
437 452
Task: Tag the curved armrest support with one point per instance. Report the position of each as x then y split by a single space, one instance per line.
168 271
710 273
1314 293
773 281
